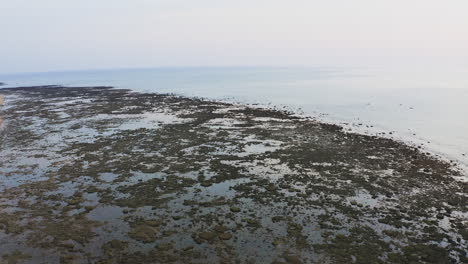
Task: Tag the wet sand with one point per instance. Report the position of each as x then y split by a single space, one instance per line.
101 175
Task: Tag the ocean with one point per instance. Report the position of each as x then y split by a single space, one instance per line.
421 106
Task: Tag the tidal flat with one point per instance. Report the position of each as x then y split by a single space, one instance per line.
105 175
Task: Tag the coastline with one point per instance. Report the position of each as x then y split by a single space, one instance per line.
184 178
384 107
458 161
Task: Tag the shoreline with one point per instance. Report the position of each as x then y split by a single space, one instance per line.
360 128
146 177
437 148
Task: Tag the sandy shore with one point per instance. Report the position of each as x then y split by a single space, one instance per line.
101 175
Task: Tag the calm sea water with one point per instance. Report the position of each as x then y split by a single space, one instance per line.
422 106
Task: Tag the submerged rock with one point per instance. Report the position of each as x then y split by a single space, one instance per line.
235 209
207 235
144 233
293 259
206 184
14 257
225 236
115 248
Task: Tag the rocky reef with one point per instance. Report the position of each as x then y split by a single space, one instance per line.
104 175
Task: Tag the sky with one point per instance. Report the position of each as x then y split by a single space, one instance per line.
57 35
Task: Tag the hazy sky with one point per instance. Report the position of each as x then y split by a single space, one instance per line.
87 34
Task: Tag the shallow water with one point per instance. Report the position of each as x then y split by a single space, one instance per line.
424 105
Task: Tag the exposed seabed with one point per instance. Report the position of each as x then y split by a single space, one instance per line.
102 175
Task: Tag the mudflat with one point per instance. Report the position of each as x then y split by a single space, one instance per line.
104 175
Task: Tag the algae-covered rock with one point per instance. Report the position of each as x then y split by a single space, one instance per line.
154 222
271 188
144 233
221 228
225 236
293 259
14 257
235 209
253 222
177 217
114 247
206 184
207 235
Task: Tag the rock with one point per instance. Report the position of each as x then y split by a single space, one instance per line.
75 201
165 246
68 246
206 184
114 247
235 209
225 236
277 242
221 229
293 259
75 126
251 221
207 235
144 233
198 240
276 219
153 222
